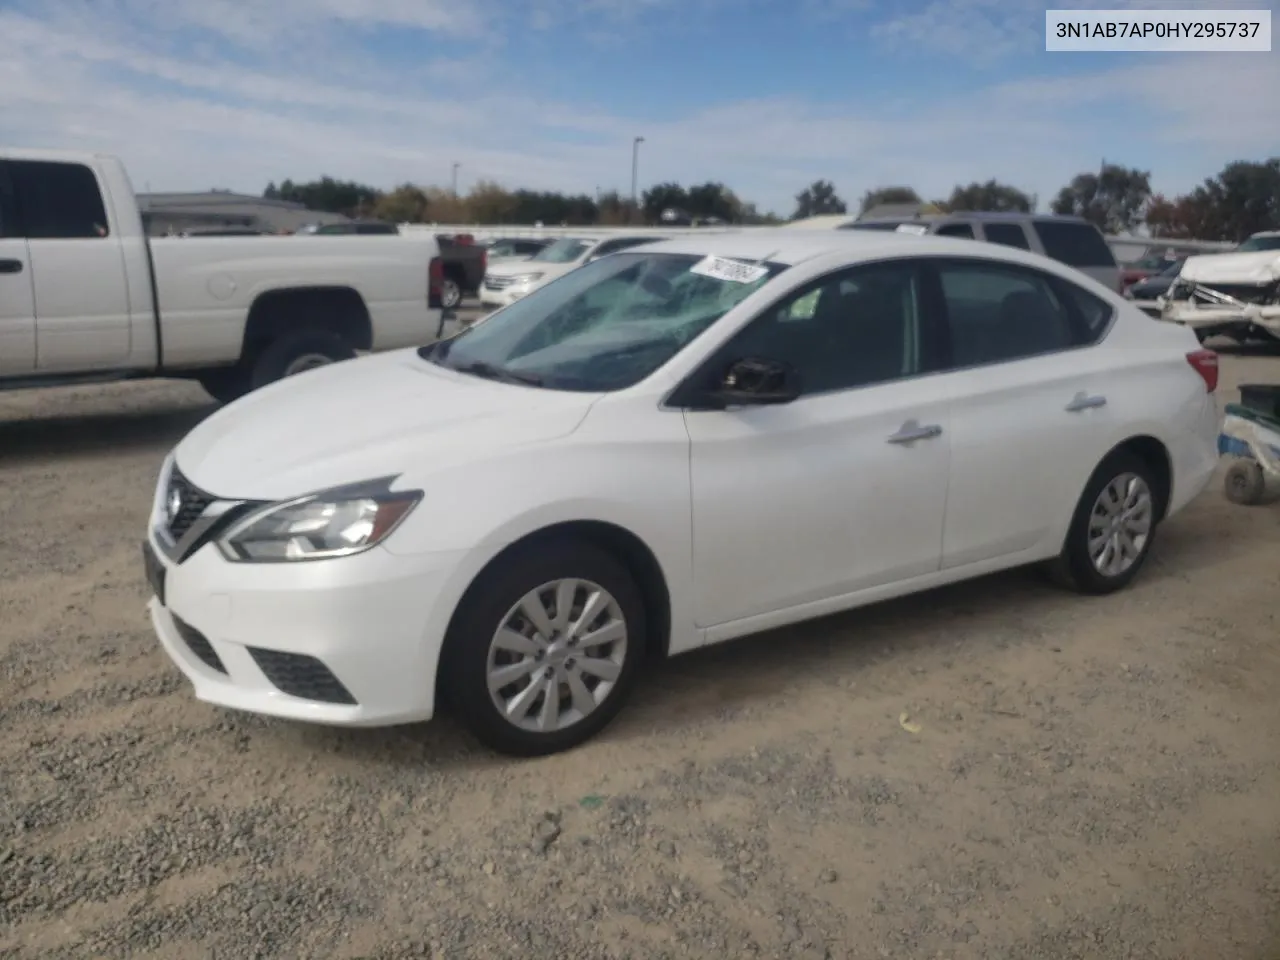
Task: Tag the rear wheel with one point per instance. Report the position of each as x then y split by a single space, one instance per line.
450 293
544 650
1112 529
298 353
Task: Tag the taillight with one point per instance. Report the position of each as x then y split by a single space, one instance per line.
1205 363
435 283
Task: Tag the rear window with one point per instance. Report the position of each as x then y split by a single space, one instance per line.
1075 244
1006 234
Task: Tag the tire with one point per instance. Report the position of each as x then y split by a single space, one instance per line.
295 352
450 294
1245 483
471 654
224 384
1075 567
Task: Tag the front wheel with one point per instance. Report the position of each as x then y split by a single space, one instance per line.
543 651
1112 529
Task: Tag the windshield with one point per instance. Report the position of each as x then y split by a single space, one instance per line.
606 325
1259 243
564 250
1173 269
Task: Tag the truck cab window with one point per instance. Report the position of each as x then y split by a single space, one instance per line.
59 201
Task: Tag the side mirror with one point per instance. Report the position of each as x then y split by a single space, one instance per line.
755 381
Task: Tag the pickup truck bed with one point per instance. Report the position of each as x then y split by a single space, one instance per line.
85 295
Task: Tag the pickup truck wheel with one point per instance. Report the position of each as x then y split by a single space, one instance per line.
450 294
225 384
297 353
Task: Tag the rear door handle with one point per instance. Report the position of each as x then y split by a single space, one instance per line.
1083 401
10 266
911 431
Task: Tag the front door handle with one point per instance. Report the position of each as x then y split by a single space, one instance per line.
911 431
10 266
1082 401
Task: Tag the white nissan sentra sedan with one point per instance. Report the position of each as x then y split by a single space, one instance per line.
664 449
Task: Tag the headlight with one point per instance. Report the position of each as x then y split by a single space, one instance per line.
333 523
527 278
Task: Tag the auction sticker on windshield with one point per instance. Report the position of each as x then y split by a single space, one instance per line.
721 268
916 229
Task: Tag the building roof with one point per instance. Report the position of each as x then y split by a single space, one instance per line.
214 207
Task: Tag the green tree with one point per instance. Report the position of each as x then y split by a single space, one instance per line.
1113 200
332 196
817 199
1242 199
663 196
873 198
712 199
991 196
405 204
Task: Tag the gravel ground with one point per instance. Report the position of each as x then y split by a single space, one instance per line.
993 770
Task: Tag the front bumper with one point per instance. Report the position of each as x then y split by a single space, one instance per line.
490 297
1239 320
369 626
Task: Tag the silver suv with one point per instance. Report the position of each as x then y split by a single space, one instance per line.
1070 240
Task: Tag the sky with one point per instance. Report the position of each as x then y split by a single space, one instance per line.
763 95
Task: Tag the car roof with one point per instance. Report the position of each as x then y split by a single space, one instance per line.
791 247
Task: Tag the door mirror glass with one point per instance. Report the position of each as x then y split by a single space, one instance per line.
753 381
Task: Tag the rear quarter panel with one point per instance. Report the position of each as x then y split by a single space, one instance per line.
1152 390
207 285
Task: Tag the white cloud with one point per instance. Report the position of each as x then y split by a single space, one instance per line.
229 94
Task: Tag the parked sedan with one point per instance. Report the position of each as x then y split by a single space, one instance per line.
505 283
664 449
1157 286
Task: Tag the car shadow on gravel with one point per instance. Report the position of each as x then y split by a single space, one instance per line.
96 434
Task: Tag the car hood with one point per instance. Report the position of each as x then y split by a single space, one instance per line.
1258 267
518 268
361 419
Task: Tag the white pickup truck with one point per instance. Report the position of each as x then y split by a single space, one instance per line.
85 296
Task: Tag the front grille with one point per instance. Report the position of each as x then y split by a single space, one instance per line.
199 645
184 502
301 676
497 283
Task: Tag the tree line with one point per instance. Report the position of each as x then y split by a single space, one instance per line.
1243 198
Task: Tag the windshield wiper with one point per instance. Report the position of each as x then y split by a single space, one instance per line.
487 370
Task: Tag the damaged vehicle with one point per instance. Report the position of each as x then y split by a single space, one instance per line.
1234 294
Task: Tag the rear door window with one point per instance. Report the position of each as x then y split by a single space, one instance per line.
998 313
1006 234
59 201
955 230
1075 244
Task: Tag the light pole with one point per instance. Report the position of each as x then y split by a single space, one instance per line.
455 179
635 168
